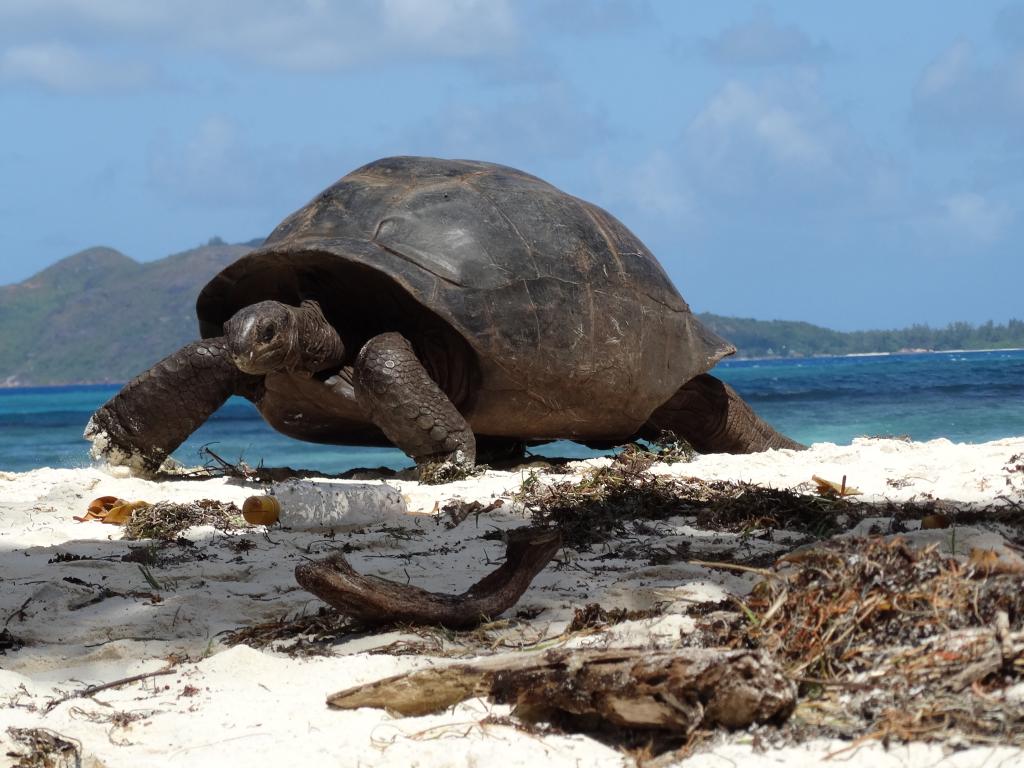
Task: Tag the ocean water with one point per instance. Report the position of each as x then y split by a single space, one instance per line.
963 396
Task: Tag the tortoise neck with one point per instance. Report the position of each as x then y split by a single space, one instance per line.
319 345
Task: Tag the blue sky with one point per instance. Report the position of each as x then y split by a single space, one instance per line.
856 165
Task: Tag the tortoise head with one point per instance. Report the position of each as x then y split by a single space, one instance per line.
263 337
271 336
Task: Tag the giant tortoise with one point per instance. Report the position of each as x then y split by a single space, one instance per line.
442 306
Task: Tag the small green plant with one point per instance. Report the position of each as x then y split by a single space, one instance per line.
441 472
150 579
672 449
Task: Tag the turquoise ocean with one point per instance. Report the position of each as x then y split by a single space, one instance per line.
963 396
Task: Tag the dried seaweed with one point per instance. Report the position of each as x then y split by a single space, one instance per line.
603 502
888 641
43 748
441 472
607 501
850 600
307 635
593 616
167 520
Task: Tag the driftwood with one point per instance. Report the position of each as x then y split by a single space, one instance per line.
957 660
374 600
674 691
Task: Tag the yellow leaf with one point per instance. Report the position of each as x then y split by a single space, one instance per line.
830 487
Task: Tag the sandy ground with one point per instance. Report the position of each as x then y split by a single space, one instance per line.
102 617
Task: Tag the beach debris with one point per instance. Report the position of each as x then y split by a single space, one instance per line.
324 505
991 561
112 510
610 501
374 600
313 634
935 521
604 502
91 690
889 640
163 520
595 616
214 465
587 689
457 510
43 748
843 599
441 472
666 448
832 488
166 520
672 449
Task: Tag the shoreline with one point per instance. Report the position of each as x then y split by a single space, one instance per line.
907 352
222 697
6 385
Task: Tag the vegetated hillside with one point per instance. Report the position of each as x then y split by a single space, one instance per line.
99 316
787 338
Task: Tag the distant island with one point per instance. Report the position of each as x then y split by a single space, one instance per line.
99 317
787 338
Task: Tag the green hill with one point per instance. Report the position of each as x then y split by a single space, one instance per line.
99 316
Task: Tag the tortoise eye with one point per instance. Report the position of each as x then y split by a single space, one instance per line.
267 333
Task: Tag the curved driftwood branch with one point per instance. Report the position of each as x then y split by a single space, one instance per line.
674 691
376 601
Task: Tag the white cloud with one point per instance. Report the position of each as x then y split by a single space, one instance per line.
959 95
655 188
770 154
305 35
745 137
453 27
975 216
593 17
550 122
950 69
65 68
22 16
761 42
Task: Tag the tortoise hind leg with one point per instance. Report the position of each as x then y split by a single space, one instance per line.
153 414
398 395
707 413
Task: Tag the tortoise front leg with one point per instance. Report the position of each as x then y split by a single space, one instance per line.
398 395
152 415
713 418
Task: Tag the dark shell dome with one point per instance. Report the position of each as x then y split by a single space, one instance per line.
576 329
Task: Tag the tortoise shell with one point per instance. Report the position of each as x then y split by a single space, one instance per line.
572 327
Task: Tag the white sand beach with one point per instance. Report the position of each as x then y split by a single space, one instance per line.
88 616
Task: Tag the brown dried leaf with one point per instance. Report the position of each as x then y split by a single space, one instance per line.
990 561
830 487
110 509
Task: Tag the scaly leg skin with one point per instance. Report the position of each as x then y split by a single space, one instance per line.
707 413
398 395
152 415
